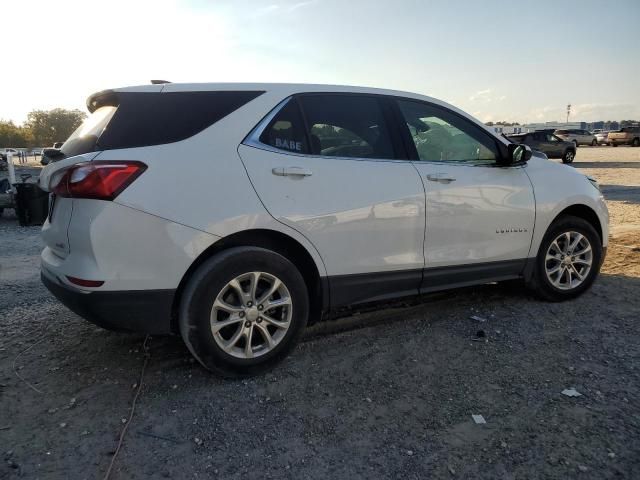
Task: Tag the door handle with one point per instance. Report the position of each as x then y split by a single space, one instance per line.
440 178
292 172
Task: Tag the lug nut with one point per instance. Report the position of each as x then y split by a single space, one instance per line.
259 320
260 307
247 324
241 314
249 304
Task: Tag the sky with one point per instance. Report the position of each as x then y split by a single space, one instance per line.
498 60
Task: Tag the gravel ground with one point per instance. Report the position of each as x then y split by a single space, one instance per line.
384 394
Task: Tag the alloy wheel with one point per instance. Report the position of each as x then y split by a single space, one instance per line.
568 260
251 315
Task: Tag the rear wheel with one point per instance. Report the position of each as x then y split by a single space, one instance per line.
636 142
575 143
569 156
568 260
594 142
243 310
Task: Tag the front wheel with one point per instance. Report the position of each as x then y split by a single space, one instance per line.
243 310
568 260
636 142
594 143
569 156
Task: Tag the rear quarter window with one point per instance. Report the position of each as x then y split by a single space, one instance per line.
139 119
144 119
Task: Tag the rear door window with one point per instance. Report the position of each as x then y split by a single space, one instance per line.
351 126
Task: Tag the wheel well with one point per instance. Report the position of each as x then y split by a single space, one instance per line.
271 240
584 212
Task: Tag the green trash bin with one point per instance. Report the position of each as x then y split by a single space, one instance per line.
32 204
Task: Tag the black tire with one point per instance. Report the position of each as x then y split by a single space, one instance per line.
636 142
613 144
569 156
575 144
540 283
209 280
594 143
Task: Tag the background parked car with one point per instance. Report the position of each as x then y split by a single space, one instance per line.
51 154
625 136
5 151
578 137
601 137
547 142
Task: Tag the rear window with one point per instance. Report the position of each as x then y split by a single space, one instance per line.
138 119
562 132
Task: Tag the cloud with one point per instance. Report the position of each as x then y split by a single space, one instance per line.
298 5
482 95
283 7
486 96
585 112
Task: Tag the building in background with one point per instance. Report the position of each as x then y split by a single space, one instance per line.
505 129
510 129
530 127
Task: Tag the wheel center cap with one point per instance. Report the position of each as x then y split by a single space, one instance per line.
252 314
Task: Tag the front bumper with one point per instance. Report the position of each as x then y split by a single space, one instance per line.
145 311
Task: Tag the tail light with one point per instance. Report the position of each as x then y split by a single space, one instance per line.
100 180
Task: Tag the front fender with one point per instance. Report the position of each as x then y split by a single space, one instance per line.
556 188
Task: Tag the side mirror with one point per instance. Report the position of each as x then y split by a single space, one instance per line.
519 153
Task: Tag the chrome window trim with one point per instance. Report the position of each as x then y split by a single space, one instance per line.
253 140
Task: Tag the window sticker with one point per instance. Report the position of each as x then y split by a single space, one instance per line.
288 144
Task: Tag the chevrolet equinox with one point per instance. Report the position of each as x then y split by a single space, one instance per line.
237 214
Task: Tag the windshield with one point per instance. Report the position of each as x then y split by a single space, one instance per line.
84 138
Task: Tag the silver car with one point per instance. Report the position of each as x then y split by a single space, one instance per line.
578 137
601 137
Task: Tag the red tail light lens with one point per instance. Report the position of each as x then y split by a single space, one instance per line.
101 180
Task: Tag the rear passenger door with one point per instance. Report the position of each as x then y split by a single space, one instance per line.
331 166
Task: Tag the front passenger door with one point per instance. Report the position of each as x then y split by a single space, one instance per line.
480 216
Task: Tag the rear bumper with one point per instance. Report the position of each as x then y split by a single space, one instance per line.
145 311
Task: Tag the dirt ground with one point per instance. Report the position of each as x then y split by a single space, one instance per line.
387 394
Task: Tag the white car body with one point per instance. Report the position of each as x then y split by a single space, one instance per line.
602 137
373 229
578 137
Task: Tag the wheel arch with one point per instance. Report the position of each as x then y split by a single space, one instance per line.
586 213
273 240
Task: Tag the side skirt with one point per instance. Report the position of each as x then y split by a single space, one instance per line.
346 290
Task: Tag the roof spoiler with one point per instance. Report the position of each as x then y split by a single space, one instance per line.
110 97
99 99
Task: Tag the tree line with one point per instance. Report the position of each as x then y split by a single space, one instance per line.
42 129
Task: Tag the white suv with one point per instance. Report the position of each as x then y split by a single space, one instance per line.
238 214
